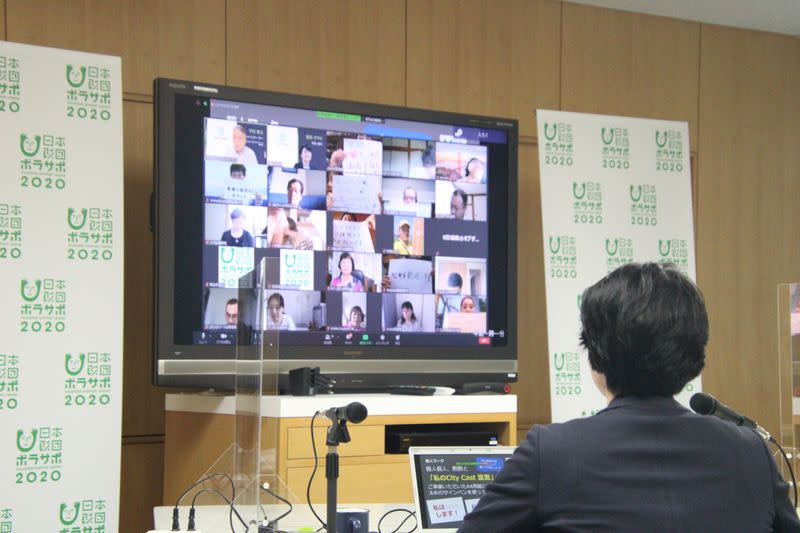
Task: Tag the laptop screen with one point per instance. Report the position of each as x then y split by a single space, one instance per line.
449 481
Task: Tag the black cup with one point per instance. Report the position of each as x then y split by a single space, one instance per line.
352 521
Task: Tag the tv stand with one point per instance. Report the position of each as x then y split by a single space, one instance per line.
200 426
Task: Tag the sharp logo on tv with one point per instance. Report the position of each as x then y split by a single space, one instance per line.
43 307
563 257
587 204
558 147
88 92
90 234
10 231
674 251
616 153
10 90
669 151
619 251
40 455
644 205
44 161
9 382
87 380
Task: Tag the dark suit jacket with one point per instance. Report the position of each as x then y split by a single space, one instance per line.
643 465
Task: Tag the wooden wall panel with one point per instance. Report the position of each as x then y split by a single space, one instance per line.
3 19
533 388
749 221
142 404
175 38
140 489
621 63
486 57
352 49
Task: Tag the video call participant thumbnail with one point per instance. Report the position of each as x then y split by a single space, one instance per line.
221 308
409 236
354 272
469 271
275 316
408 196
237 235
461 313
294 228
355 193
354 232
404 274
234 183
354 311
461 162
460 201
296 188
409 313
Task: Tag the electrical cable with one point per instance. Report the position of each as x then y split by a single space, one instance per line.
313 473
287 502
175 521
229 502
398 510
788 465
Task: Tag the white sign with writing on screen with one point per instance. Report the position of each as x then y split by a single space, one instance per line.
410 275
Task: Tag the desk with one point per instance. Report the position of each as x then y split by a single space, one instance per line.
214 516
200 427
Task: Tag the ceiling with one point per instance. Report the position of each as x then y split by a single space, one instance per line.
777 16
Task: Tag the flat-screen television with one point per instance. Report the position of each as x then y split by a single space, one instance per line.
394 229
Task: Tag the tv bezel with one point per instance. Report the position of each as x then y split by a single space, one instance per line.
362 368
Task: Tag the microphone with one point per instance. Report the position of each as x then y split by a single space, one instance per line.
705 404
354 412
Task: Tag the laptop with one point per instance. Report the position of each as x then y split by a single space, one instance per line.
448 481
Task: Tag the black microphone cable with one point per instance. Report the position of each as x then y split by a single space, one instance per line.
788 465
271 523
191 524
175 515
313 473
397 529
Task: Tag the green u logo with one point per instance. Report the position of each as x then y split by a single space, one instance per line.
223 250
29 145
609 251
575 193
23 448
65 511
661 250
659 143
76 77
68 367
549 136
24 289
71 217
558 361
557 247
603 134
636 192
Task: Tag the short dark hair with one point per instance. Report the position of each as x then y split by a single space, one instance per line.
462 194
428 157
232 301
346 255
291 223
645 327
302 187
455 280
357 309
238 167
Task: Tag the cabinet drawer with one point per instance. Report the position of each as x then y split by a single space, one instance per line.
362 483
366 440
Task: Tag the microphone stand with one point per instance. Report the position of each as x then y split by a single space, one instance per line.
337 433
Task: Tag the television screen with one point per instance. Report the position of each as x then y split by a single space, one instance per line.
394 229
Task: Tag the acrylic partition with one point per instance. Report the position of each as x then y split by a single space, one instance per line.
789 372
258 496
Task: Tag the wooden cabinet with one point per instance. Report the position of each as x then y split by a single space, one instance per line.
200 428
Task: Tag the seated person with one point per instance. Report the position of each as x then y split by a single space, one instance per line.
356 320
346 280
237 235
305 157
294 191
645 463
408 320
231 312
403 244
276 318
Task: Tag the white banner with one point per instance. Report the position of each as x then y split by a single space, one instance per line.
615 190
61 258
